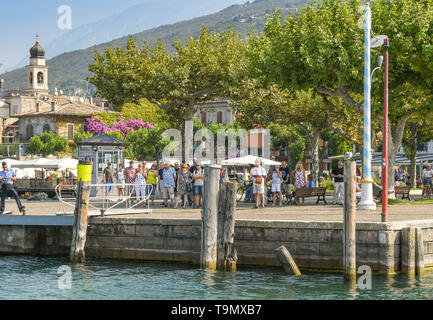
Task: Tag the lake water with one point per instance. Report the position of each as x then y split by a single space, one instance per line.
24 277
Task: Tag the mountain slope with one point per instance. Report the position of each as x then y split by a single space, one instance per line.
134 19
66 70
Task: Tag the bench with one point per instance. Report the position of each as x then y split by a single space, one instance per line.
318 192
404 191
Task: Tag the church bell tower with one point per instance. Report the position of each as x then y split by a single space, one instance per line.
37 71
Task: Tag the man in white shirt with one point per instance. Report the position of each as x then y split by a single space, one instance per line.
427 175
258 176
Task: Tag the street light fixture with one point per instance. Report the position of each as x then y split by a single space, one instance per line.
379 41
379 65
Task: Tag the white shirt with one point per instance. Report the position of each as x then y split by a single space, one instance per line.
427 173
198 182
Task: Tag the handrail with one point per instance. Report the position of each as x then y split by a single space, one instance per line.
131 207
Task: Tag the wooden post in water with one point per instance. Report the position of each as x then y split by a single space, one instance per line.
287 261
349 225
209 222
408 248
79 232
226 253
419 252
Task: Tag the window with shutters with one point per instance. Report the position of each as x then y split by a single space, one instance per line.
219 117
70 131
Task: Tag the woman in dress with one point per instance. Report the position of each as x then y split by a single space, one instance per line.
120 176
140 184
299 178
183 184
276 185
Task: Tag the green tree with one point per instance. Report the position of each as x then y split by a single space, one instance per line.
199 70
81 136
418 130
258 104
290 139
143 109
47 143
317 115
143 143
321 48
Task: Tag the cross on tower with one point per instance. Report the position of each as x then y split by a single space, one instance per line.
37 37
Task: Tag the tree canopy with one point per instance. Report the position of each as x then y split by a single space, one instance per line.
321 48
198 70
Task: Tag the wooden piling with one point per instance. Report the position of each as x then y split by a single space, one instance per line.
349 224
226 253
79 233
287 261
208 256
419 252
408 240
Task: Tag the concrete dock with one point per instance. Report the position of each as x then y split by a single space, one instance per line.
312 233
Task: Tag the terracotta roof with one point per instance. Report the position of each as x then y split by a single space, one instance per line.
72 109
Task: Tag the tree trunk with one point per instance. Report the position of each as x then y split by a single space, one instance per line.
289 159
322 155
413 164
315 158
392 155
226 253
395 138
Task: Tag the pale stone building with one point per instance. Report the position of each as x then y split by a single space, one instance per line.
218 111
34 111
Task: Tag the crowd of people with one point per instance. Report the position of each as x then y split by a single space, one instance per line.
179 185
281 180
182 185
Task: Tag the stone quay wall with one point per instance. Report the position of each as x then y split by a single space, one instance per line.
315 246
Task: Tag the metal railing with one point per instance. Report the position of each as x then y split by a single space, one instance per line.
105 205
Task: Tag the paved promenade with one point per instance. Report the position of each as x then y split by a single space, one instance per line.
304 212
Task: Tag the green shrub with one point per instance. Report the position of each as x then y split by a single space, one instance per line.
328 183
47 143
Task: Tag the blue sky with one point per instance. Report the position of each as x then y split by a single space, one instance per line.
20 20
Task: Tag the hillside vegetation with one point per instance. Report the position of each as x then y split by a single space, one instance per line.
67 69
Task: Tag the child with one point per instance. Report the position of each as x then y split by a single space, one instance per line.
276 185
310 183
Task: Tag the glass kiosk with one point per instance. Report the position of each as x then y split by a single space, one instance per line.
101 149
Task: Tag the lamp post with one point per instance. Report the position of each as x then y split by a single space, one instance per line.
385 140
367 202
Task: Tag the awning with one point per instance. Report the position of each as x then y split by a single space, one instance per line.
249 160
43 163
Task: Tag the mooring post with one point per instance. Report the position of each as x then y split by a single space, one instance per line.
349 225
408 243
419 252
226 253
209 222
287 261
79 232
